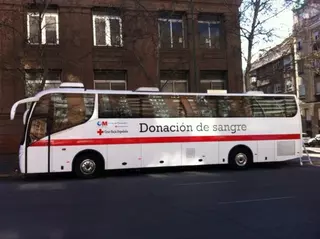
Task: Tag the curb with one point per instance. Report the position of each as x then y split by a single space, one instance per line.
10 175
311 155
311 152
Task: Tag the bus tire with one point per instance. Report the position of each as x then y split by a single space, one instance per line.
240 157
88 166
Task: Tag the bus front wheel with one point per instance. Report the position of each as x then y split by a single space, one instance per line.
87 166
240 157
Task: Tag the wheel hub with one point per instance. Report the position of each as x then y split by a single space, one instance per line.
241 159
88 166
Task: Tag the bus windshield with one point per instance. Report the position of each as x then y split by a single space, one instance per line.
60 111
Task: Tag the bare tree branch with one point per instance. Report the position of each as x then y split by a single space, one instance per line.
254 16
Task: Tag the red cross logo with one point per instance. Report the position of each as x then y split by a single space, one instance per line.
100 131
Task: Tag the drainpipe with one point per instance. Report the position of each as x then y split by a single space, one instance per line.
194 47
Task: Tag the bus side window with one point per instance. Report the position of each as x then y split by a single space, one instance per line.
290 107
105 110
247 107
160 108
223 106
124 106
234 107
207 106
133 106
189 105
257 107
175 105
239 107
69 110
118 106
147 107
277 106
172 106
76 113
211 105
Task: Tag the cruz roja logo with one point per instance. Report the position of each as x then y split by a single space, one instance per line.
116 131
102 123
100 132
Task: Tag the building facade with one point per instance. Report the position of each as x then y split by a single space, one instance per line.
176 46
306 31
274 71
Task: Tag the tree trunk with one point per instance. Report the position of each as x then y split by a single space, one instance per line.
250 38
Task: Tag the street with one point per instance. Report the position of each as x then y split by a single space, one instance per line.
267 201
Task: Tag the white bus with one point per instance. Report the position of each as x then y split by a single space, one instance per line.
73 129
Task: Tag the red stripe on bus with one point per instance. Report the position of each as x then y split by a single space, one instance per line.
173 139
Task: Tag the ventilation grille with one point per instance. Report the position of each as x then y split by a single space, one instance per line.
286 148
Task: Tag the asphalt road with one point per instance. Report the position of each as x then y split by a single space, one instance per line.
269 201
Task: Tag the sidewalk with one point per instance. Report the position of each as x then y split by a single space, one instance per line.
312 150
8 164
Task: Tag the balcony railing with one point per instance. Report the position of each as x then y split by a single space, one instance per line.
306 23
263 82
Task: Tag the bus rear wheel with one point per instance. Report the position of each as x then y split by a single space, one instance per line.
240 157
87 166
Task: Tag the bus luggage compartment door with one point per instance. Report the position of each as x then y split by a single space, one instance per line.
266 151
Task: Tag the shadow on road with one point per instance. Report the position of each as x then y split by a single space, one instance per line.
143 172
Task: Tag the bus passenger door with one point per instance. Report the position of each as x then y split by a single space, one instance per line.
37 151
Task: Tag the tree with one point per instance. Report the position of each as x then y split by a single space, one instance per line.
254 16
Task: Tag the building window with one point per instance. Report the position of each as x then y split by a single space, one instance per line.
110 80
171 31
308 115
315 36
174 81
35 81
289 84
209 31
318 88
43 28
300 64
277 88
269 89
299 45
276 66
302 90
212 80
288 62
107 30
